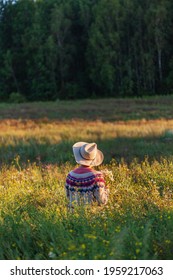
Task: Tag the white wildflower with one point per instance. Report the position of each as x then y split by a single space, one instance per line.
108 173
51 255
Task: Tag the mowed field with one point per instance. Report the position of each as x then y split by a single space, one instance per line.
136 137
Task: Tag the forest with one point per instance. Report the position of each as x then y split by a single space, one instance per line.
71 49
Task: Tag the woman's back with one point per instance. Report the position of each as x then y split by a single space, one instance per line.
86 185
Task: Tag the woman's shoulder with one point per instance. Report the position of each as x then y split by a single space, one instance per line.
80 173
84 173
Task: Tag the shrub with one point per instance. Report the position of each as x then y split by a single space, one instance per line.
16 97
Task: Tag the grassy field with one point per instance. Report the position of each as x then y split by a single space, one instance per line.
136 137
100 109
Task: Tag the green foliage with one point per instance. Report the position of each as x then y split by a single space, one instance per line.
16 97
74 49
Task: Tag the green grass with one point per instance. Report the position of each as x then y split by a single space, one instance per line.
36 155
93 109
136 224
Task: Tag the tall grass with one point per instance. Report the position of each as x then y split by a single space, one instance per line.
136 223
51 141
35 157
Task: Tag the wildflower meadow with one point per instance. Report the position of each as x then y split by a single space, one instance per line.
35 157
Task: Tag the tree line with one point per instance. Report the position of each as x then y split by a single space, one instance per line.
68 49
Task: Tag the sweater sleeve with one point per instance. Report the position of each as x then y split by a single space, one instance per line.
101 191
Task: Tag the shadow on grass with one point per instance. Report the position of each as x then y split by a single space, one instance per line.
118 148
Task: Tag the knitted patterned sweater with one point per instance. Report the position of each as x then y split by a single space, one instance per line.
86 185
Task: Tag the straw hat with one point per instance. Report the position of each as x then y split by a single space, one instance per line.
87 154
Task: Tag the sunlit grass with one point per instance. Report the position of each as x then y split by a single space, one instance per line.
137 222
51 141
36 155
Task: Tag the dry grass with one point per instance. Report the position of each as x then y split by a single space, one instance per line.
60 130
51 140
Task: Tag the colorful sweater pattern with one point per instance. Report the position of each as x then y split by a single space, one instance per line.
86 185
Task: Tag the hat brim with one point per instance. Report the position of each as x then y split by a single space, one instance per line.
79 159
